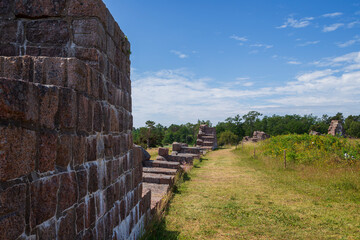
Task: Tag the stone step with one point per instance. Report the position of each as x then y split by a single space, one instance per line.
162 164
158 191
166 171
158 178
208 144
208 136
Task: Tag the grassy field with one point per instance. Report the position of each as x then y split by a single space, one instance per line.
232 195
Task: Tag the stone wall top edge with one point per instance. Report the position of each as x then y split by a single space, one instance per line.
43 9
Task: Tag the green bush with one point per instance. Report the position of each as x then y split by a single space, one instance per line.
227 137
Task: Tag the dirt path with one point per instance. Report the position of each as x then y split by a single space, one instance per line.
228 197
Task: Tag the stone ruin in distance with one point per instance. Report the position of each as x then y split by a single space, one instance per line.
68 168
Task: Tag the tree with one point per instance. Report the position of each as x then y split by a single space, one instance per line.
352 126
354 129
150 126
227 137
249 122
339 116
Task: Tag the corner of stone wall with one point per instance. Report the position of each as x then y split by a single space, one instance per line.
67 164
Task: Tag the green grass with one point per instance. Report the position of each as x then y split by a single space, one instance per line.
232 195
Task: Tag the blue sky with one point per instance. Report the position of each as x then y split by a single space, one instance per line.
214 59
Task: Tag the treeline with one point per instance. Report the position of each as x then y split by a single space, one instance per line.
233 129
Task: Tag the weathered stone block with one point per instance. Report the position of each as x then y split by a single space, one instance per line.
77 74
53 51
47 31
64 151
115 171
108 222
91 149
98 117
90 212
103 90
9 32
36 8
11 226
128 182
43 194
116 145
114 120
106 117
109 197
67 109
110 48
68 191
49 100
12 211
8 49
5 7
89 33
85 8
87 54
163 152
176 146
100 148
84 114
100 229
93 178
47 151
47 231
79 150
13 200
66 229
80 217
82 183
94 79
18 101
54 71
18 152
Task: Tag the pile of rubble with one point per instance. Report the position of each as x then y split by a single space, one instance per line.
257 136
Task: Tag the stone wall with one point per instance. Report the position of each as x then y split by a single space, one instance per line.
68 169
336 128
206 138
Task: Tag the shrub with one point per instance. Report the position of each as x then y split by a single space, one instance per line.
227 137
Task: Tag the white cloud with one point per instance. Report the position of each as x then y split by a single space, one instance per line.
248 84
237 38
331 15
332 27
353 24
308 43
294 62
178 96
260 45
350 42
240 79
179 54
301 23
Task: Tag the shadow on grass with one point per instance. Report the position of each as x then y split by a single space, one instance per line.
159 232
